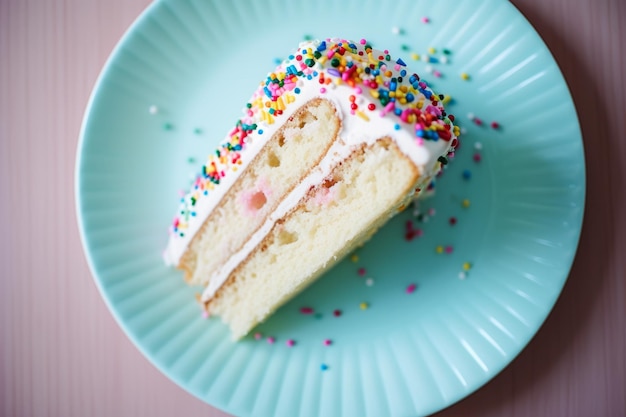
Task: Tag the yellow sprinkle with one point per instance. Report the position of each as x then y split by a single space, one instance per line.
280 103
362 115
234 168
363 306
290 98
465 76
456 130
415 57
446 99
467 266
354 258
439 249
403 100
374 93
431 50
466 203
392 94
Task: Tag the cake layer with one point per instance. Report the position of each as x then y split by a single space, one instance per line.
287 157
342 211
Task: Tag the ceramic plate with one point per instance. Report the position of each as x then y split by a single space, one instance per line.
494 247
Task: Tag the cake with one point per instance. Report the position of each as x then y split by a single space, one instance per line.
333 143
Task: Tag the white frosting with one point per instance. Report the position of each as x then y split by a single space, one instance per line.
355 131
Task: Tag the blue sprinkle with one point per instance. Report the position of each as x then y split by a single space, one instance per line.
261 130
193 214
420 133
398 111
396 126
413 80
291 57
403 73
206 192
400 62
409 97
309 77
323 367
322 46
297 90
267 92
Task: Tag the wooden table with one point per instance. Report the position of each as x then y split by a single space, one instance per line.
62 354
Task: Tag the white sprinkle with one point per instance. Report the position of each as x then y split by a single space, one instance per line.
471 116
425 58
478 146
369 282
429 68
396 30
443 59
462 275
153 109
463 130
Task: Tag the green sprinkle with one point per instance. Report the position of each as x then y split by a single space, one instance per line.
197 131
335 62
168 126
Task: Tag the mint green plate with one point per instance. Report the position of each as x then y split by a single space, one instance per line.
407 354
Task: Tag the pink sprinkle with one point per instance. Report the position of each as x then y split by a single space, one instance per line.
411 289
322 90
306 310
327 342
271 340
258 336
425 19
478 121
337 313
361 271
437 73
358 90
432 211
477 157
396 67
205 314
362 41
290 342
448 249
495 125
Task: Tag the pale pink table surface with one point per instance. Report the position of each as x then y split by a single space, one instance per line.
62 354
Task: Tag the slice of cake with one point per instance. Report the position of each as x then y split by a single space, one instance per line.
332 144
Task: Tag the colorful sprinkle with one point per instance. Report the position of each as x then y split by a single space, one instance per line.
425 19
467 266
337 313
354 258
205 314
363 306
477 157
271 340
168 126
306 310
452 221
465 203
449 249
411 289
327 342
462 275
369 282
465 76
467 174
258 336
324 367
290 342
439 249
361 271
495 125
